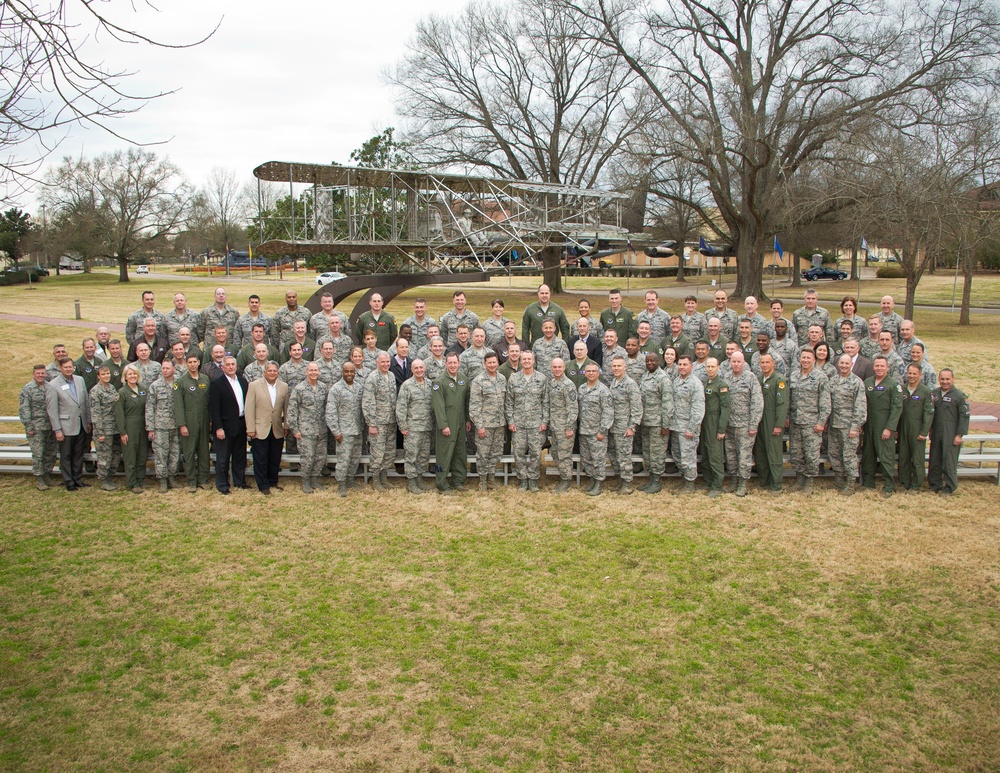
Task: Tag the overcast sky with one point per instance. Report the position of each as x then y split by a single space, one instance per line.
288 80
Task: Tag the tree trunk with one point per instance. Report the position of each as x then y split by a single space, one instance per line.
123 269
749 267
854 264
912 279
967 268
680 261
551 267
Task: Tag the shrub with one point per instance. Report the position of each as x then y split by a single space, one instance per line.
890 272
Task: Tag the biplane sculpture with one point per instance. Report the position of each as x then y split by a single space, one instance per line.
436 222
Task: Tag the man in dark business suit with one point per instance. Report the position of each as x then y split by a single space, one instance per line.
68 406
226 402
400 364
594 349
862 367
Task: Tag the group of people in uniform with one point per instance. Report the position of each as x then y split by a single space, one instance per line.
713 393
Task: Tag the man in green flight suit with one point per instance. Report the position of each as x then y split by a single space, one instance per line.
767 446
885 404
713 427
951 422
192 417
450 400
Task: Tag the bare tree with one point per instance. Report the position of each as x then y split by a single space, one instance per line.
225 197
138 199
514 90
760 87
51 80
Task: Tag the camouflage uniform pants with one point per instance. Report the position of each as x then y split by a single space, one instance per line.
843 452
348 457
562 453
620 452
417 450
739 451
594 456
804 444
43 451
489 450
654 451
166 452
684 451
109 453
527 445
382 448
312 455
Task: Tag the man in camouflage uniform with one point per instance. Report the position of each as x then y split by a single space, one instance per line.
379 408
627 402
246 323
107 442
727 316
849 411
415 419
564 410
890 320
319 323
811 314
657 411
528 419
785 345
133 326
37 427
610 350
488 414
888 350
149 369
450 400
658 319
685 426
758 322
284 319
329 366
471 360
219 313
192 417
344 420
746 408
548 347
459 315
596 416
885 406
419 324
767 449
179 316
695 323
342 343
306 419
808 410
162 427
255 370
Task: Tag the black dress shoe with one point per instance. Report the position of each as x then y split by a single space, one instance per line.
81 484
244 487
278 486
226 491
70 487
266 492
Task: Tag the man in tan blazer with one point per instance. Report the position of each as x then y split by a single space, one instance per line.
266 403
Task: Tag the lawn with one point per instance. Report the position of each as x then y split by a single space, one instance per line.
188 632
194 632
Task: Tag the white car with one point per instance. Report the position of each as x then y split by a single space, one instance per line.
329 276
142 270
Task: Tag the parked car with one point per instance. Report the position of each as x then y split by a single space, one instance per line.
142 270
330 276
823 272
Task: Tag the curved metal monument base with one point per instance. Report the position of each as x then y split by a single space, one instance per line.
387 285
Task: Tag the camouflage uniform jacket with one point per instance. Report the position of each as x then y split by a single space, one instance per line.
527 399
160 405
488 401
413 407
343 409
379 401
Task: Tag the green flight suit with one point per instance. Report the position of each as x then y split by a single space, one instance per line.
384 328
767 446
951 418
450 401
130 419
715 423
885 405
915 420
191 411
